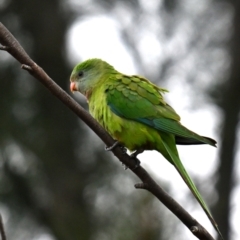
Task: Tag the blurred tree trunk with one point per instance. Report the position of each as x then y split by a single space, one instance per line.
41 27
230 105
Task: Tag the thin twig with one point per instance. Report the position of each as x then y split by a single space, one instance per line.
15 49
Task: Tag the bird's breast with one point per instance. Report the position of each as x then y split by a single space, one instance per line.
130 133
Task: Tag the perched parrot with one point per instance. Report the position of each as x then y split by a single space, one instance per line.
133 111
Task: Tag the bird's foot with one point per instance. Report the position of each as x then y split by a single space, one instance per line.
112 147
137 163
124 150
134 155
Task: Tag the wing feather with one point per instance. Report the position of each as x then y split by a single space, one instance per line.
136 98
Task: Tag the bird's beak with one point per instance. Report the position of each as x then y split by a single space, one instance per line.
73 87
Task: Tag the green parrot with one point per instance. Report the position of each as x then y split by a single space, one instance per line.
133 111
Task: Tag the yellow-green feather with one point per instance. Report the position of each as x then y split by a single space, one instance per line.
121 129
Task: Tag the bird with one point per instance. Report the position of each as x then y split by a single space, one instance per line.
133 111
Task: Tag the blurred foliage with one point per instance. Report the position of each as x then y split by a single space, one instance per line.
56 180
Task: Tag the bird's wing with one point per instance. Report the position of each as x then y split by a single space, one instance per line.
135 98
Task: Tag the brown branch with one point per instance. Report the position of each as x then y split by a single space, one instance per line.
11 45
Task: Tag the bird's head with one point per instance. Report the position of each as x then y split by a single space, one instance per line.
86 75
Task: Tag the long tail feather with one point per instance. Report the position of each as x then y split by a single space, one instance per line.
180 168
191 141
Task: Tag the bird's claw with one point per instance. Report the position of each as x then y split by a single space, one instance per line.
124 150
137 163
112 147
134 155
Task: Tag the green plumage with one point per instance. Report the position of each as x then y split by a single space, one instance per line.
133 111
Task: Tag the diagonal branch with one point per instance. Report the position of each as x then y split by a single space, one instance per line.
12 46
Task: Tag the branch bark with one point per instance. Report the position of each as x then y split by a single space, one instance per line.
12 46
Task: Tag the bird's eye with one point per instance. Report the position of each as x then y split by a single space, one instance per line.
80 74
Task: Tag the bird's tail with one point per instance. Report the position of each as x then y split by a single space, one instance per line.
175 160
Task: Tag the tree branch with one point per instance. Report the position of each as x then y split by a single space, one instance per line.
11 45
